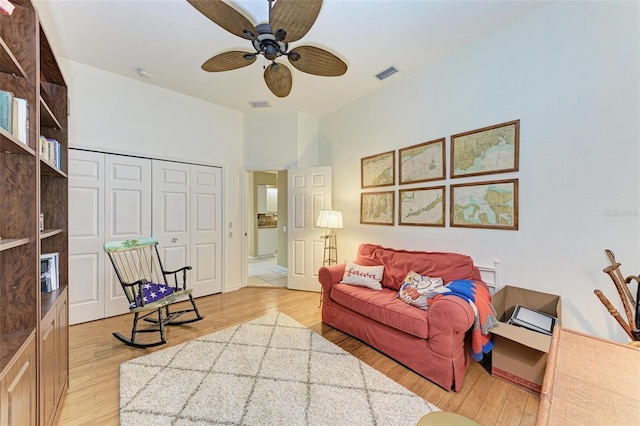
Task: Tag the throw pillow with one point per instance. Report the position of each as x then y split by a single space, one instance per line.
364 276
416 289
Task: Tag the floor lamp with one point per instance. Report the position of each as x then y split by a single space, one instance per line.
330 220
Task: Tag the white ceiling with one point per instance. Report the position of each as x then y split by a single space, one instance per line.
171 39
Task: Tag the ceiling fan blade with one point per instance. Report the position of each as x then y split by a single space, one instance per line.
226 17
278 79
229 61
296 17
316 61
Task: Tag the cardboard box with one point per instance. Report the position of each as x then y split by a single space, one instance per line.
519 355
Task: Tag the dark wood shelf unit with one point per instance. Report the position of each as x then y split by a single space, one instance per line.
47 118
33 325
9 243
10 144
8 63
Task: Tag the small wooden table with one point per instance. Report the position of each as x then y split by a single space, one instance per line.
589 380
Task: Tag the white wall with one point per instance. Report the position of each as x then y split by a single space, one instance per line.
123 115
269 140
569 71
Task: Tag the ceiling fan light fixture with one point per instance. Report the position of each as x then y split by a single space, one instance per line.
281 34
264 32
294 56
270 51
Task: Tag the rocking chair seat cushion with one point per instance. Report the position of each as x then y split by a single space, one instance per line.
152 292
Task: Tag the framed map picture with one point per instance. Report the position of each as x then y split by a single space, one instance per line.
422 206
423 162
492 149
485 205
376 208
378 170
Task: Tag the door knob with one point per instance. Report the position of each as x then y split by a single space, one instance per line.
174 240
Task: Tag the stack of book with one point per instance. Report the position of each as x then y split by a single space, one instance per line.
50 150
48 272
14 115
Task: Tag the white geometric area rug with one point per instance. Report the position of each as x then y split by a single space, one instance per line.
269 371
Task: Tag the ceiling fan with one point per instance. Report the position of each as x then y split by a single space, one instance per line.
289 21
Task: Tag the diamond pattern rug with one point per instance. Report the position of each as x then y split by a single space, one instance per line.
269 371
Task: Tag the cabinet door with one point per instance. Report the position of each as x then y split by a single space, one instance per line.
62 344
48 363
272 200
267 241
18 389
86 236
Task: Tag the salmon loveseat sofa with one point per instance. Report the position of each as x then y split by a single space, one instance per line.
435 343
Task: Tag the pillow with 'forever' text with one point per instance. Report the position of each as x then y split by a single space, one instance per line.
364 276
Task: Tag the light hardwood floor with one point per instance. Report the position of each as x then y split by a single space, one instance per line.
95 358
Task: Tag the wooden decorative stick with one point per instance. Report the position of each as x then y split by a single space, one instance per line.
621 279
614 312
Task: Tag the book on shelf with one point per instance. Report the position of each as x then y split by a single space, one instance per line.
20 119
6 8
6 110
50 150
49 279
14 115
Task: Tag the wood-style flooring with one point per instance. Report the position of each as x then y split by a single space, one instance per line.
95 358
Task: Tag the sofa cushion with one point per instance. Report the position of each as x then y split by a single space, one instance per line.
363 276
382 306
397 263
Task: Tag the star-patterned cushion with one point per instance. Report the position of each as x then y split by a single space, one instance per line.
152 292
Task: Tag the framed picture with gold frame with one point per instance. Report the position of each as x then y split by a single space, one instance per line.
493 149
378 170
377 208
491 205
423 162
422 206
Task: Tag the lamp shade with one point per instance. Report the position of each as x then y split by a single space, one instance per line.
330 219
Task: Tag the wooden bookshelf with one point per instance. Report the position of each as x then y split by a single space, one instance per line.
33 325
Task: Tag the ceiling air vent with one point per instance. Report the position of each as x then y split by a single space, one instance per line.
386 73
259 104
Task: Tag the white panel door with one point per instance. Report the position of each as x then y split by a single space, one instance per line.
127 216
171 213
206 230
309 192
86 236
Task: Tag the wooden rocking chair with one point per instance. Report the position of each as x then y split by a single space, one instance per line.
149 288
631 306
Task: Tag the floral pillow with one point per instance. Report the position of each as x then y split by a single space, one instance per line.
364 276
416 289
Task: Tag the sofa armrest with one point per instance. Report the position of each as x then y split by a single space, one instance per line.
449 315
328 276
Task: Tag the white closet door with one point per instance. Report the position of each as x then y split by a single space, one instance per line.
309 192
127 216
86 236
171 217
206 230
